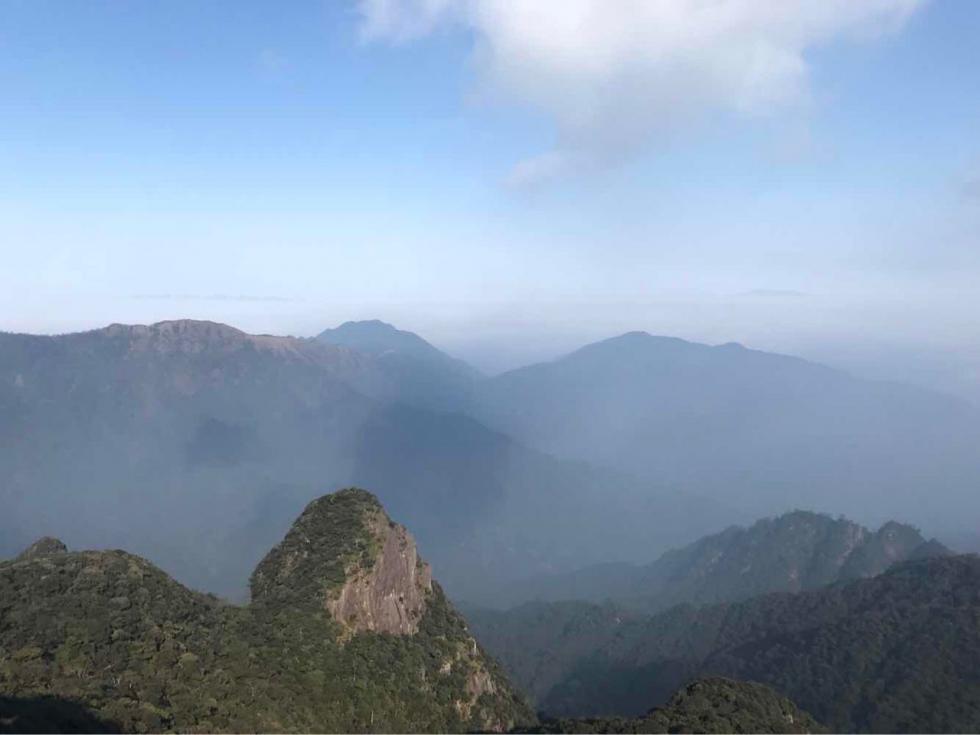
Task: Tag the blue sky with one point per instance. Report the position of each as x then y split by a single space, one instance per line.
485 180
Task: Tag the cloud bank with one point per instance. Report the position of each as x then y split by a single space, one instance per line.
616 75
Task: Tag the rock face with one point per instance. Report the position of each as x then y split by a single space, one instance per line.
343 554
390 595
43 547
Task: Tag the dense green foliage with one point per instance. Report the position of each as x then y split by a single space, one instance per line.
895 653
711 705
328 538
110 631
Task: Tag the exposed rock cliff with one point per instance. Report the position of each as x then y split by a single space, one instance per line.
343 554
390 595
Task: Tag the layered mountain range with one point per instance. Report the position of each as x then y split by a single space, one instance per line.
195 444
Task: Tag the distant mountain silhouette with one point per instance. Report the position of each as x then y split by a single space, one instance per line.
796 551
418 373
761 431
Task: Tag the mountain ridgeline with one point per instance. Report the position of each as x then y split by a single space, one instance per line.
758 431
346 632
793 552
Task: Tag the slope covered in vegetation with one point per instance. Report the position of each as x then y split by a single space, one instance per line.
898 652
114 634
710 705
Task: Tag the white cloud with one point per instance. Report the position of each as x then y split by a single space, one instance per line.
615 75
404 20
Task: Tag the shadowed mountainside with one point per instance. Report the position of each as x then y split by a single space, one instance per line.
899 652
711 705
49 714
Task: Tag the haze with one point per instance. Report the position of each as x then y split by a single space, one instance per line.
511 185
490 366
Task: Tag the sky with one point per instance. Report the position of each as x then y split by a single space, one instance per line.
508 179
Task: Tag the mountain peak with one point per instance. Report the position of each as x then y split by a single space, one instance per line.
636 339
376 337
345 555
373 324
45 546
419 373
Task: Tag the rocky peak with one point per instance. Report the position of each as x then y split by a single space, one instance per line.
344 555
45 546
389 596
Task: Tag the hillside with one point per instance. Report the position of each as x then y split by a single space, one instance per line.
793 552
195 444
346 632
899 652
711 705
758 431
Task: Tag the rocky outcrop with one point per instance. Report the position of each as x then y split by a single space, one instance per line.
389 596
344 555
43 547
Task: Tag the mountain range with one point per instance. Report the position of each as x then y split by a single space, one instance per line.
796 551
758 431
194 444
